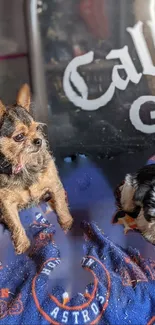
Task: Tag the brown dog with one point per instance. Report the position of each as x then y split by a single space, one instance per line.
27 170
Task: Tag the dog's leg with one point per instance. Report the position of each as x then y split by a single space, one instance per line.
127 193
58 194
12 220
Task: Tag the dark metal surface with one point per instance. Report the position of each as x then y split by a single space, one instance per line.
40 110
71 28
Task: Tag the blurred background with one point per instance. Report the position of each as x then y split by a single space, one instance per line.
13 70
38 39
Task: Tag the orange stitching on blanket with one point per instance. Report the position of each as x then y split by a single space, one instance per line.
43 236
151 322
14 307
126 280
4 293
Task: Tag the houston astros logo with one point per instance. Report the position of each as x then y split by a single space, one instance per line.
93 305
7 309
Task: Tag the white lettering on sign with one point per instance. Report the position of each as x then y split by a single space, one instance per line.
126 65
73 78
142 49
71 75
135 118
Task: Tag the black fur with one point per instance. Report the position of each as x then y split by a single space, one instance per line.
5 165
11 117
146 175
7 126
21 114
134 214
144 181
141 192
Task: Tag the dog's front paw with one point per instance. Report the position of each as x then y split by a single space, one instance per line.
21 244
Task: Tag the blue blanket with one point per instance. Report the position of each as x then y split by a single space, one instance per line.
122 292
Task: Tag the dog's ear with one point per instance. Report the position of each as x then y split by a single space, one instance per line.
140 193
2 109
24 97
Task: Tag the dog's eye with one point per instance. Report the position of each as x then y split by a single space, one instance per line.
19 137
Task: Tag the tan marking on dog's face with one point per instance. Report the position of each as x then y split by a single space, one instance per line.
30 132
127 194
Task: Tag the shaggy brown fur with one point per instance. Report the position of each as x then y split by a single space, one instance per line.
27 170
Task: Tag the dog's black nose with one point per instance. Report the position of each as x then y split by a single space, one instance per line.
37 142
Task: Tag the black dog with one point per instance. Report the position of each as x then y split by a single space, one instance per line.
138 190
